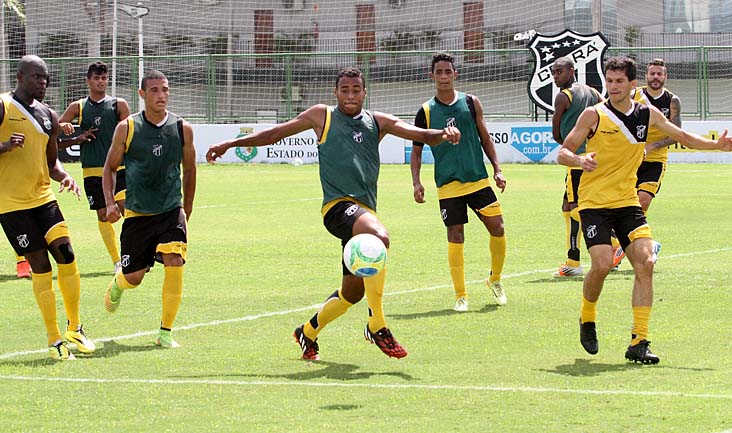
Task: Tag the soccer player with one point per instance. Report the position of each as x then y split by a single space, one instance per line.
569 103
461 177
29 213
154 143
616 132
348 152
651 171
97 115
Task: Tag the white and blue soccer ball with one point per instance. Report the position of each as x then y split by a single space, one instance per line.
364 255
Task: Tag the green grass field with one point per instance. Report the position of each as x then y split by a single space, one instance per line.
260 261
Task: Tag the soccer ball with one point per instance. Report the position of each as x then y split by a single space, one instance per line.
364 255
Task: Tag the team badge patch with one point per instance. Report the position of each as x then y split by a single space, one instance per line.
585 50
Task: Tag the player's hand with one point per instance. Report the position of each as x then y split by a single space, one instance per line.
88 135
113 214
69 184
187 211
724 142
500 180
589 163
451 134
419 193
67 128
215 152
16 140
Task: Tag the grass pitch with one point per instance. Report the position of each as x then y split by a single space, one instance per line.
260 262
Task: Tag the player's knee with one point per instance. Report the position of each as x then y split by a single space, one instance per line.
64 254
382 234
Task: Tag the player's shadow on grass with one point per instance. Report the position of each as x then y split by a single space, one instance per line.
586 367
97 274
112 348
4 278
624 274
487 308
331 370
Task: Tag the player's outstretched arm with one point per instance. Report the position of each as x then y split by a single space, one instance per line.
584 127
71 113
189 169
312 118
393 125
689 139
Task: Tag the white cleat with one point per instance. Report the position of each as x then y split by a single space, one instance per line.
461 304
498 294
568 271
656 248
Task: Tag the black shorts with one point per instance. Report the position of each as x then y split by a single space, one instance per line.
145 238
454 210
95 193
571 184
650 175
30 230
339 221
629 223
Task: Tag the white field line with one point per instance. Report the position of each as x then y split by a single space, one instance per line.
315 306
484 388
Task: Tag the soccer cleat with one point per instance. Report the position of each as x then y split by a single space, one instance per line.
588 337
461 304
117 266
23 269
60 352
112 297
656 248
568 271
618 255
165 339
78 337
641 353
309 347
498 294
386 342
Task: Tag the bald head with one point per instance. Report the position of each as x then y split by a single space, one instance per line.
32 79
29 62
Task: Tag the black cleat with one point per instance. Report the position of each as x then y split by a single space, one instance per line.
588 337
309 347
641 353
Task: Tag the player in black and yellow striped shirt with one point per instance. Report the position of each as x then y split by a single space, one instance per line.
616 132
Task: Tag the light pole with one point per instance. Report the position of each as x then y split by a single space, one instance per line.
137 12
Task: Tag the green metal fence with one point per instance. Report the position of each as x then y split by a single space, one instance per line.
276 87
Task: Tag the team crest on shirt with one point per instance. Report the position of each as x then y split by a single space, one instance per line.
640 132
358 136
98 120
157 149
23 241
47 123
450 121
585 50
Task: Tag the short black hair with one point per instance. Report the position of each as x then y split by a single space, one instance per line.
351 72
625 64
442 57
153 74
98 68
564 62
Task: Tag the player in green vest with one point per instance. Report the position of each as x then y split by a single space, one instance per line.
348 153
461 177
97 115
154 143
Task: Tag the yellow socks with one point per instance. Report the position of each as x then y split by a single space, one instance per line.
498 257
588 313
374 293
456 260
641 316
46 300
172 293
106 229
69 284
333 308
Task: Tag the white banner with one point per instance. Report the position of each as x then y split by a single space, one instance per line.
516 142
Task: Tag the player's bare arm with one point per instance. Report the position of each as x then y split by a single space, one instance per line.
16 140
689 139
561 104
189 169
123 109
489 147
71 113
55 169
312 118
675 118
390 124
415 165
586 124
109 173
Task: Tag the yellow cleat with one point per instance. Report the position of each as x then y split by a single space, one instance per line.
78 337
60 352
